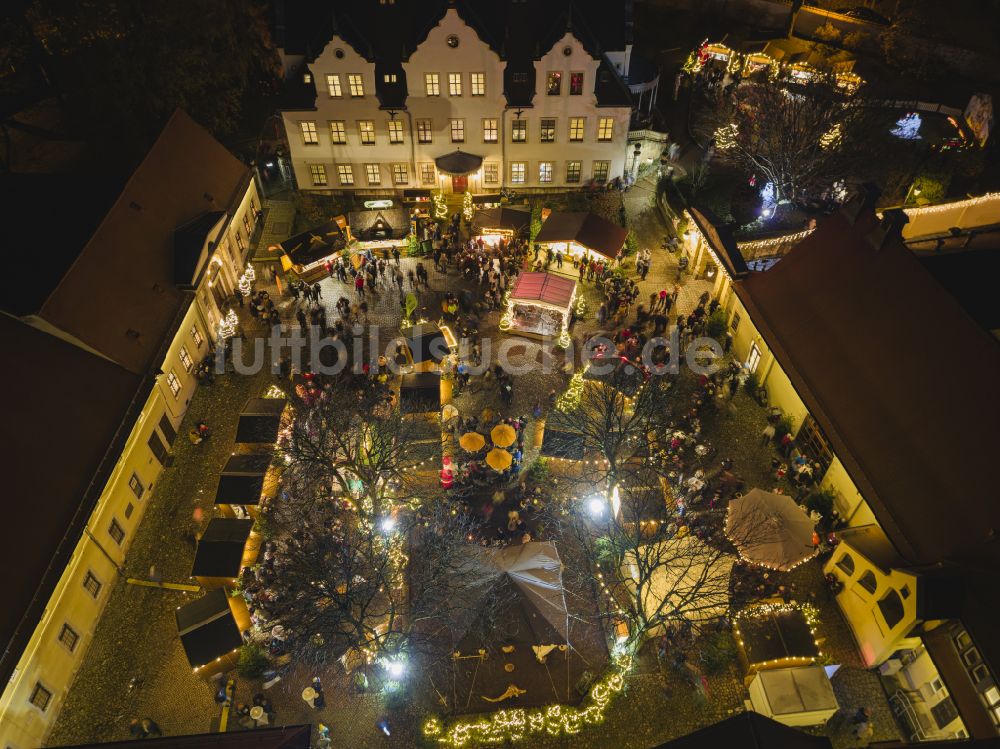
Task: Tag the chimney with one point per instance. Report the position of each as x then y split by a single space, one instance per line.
888 229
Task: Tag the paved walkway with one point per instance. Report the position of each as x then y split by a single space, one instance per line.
279 218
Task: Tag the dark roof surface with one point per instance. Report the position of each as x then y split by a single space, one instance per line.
281 737
62 396
365 224
259 420
220 549
971 277
782 634
242 480
585 228
748 730
426 342
516 219
207 628
899 378
189 240
315 244
34 260
458 162
420 392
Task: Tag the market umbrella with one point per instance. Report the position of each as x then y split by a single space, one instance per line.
499 460
503 435
472 442
448 413
770 530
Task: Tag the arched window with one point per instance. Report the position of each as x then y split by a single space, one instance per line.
891 607
868 581
846 564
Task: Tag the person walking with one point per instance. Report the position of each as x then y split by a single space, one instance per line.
359 284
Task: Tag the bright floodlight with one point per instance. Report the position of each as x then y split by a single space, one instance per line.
596 506
388 524
395 669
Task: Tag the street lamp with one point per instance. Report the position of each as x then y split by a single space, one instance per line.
635 161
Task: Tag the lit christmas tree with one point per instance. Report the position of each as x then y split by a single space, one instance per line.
440 209
467 206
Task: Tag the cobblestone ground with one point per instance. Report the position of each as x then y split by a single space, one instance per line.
137 636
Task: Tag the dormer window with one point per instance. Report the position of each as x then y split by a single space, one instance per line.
307 77
389 78
520 78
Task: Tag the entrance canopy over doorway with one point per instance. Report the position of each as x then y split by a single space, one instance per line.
458 163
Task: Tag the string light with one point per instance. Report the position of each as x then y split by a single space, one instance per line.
467 208
227 326
440 207
955 205
775 242
725 136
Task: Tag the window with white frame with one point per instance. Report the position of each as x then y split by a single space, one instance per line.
545 171
174 383
454 84
517 172
601 169
356 85
366 131
185 358
605 128
40 697
519 131
424 131
575 84
196 336
91 584
491 173
135 484
395 131
68 637
432 84
116 532
338 132
547 132
573 171
489 130
345 173
427 172
318 174
477 84
400 174
458 131
309 135
333 86
576 129
374 174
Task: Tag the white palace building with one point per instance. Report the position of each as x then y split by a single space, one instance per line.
529 95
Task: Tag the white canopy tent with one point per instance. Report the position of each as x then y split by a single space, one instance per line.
794 696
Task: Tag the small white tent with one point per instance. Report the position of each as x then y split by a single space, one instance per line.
794 696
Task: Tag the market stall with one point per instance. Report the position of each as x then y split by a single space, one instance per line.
379 227
427 345
491 225
305 254
794 696
539 305
260 421
245 482
581 234
223 550
210 628
420 392
775 637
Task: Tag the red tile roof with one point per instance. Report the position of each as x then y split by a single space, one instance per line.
544 287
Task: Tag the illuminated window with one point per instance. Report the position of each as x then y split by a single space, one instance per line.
573 170
518 131
454 84
548 131
173 383
491 173
185 358
605 128
338 132
545 171
135 484
309 135
333 86
553 84
91 584
576 129
366 131
345 173
432 84
427 172
374 174
318 174
356 85
601 169
395 131
575 84
489 131
40 697
517 171
477 84
307 77
424 130
389 78
196 336
458 131
400 174
116 532
68 637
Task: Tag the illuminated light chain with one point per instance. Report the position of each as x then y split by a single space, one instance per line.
762 244
574 392
440 207
246 280
227 326
832 138
507 318
725 136
467 206
516 724
274 392
809 612
954 205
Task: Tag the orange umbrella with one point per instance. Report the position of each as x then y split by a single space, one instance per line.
503 435
499 460
472 442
